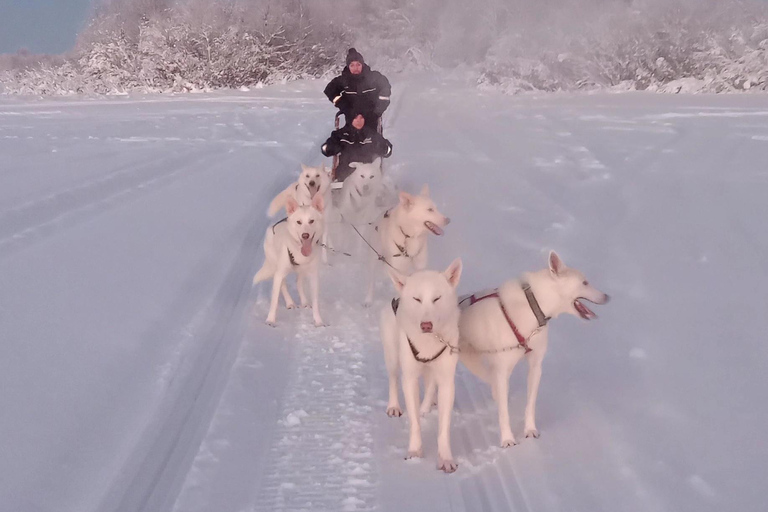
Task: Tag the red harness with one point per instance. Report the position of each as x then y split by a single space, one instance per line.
520 339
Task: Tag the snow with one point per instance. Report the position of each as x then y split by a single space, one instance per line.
137 374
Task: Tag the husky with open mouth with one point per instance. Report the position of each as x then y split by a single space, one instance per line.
500 327
312 181
403 232
291 246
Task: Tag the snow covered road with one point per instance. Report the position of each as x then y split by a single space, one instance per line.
136 373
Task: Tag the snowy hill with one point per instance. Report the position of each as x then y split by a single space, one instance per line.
137 374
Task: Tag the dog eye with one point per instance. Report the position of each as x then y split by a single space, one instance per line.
312 221
417 300
430 209
298 222
370 177
362 176
585 283
437 299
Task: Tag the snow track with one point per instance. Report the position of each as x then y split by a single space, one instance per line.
137 374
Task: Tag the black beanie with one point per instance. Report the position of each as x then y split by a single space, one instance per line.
353 55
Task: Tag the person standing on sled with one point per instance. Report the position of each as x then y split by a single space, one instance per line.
355 142
359 89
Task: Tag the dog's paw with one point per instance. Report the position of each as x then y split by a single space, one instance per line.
425 409
290 305
271 323
532 432
447 465
320 323
366 304
394 412
306 306
415 454
508 441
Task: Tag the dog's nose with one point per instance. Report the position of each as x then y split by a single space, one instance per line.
447 221
305 235
311 183
606 298
426 326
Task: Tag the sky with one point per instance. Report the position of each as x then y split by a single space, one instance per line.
41 26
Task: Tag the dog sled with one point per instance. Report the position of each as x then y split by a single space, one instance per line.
335 184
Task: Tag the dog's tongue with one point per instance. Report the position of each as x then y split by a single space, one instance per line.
306 246
583 310
434 228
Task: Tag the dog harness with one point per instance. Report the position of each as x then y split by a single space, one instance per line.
290 254
402 248
532 302
414 351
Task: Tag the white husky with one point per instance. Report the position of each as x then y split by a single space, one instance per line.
312 181
357 202
403 233
500 327
417 331
289 247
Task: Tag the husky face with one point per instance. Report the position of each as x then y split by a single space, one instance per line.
574 288
305 223
421 211
428 298
314 179
366 178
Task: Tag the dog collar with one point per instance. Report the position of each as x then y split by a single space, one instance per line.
293 260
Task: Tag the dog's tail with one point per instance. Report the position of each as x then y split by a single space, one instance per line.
474 362
279 201
265 272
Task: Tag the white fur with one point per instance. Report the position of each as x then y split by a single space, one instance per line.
304 222
483 327
311 181
427 297
357 201
410 217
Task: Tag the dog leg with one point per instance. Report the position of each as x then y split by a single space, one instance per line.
324 239
430 386
388 329
277 282
445 398
314 283
372 268
501 392
287 296
410 382
534 378
300 286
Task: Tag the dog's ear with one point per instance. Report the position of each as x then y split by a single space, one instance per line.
406 200
425 190
556 265
355 165
377 162
304 168
453 272
291 205
397 278
322 168
318 203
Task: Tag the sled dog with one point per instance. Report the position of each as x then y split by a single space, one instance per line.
417 331
290 246
312 181
498 328
403 232
357 202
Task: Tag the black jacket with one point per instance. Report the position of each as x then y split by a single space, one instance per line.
353 145
367 93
